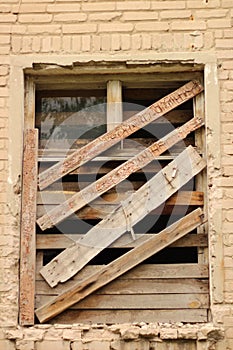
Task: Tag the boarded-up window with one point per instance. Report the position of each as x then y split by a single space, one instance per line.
121 224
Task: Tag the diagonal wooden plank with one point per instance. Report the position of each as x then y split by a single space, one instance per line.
120 132
121 265
117 175
28 224
150 196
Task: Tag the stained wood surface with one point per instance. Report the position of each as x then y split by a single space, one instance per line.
62 241
28 220
134 286
132 210
136 301
130 316
121 265
120 132
117 175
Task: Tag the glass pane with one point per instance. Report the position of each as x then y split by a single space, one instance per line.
70 121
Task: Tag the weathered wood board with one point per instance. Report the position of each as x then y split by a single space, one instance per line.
119 266
28 223
130 316
132 210
117 175
61 241
120 132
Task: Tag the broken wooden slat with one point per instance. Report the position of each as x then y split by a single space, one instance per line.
121 265
150 196
120 132
28 221
117 175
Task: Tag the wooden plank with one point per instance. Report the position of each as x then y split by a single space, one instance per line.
134 286
131 211
61 241
119 266
116 176
28 221
120 132
114 104
56 197
29 105
147 271
137 301
130 316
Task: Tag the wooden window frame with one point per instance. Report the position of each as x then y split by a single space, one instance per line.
114 96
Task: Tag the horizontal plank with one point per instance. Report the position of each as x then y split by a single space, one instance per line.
145 271
62 241
135 286
130 316
143 301
57 197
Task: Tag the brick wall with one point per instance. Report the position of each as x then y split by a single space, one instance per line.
70 27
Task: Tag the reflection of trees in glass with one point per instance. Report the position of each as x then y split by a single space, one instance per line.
69 104
85 116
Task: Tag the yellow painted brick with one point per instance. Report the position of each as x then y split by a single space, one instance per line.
5 8
98 6
227 3
46 44
228 33
188 25
86 43
56 44
167 5
151 26
105 42
79 28
146 42
211 13
36 44
140 15
76 43
156 41
4 39
115 42
29 8
201 4
66 43
8 18
175 14
224 43
5 28
70 17
26 44
3 80
18 28
45 29
36 1
208 40
136 41
115 27
125 42
96 42
219 23
104 16
5 50
35 18
136 5
63 8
